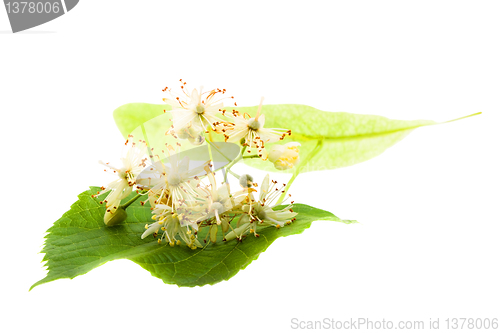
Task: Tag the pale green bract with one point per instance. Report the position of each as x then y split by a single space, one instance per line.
329 140
132 115
79 242
336 139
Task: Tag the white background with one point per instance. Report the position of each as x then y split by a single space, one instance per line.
427 245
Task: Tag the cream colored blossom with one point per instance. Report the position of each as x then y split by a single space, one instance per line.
197 111
261 213
220 203
284 156
252 130
177 183
173 226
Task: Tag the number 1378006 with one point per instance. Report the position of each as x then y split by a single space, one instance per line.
32 7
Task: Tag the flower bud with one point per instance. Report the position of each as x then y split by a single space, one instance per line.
197 140
182 133
116 217
213 233
246 181
192 134
225 225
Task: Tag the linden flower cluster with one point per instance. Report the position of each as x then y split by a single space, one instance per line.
200 112
188 204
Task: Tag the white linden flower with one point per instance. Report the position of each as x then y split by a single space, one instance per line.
218 202
284 156
195 110
261 213
132 165
173 225
252 130
178 183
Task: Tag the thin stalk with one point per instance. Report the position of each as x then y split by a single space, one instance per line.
210 154
217 149
239 157
150 153
303 163
131 201
234 174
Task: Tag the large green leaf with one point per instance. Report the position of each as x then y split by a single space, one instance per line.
341 139
328 140
331 140
79 241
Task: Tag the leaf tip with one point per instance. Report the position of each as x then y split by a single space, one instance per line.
34 285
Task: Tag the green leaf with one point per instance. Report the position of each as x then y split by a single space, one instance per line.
79 241
130 116
329 140
345 138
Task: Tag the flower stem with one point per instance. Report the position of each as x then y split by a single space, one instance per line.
251 156
303 163
131 201
234 174
150 153
217 149
239 157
